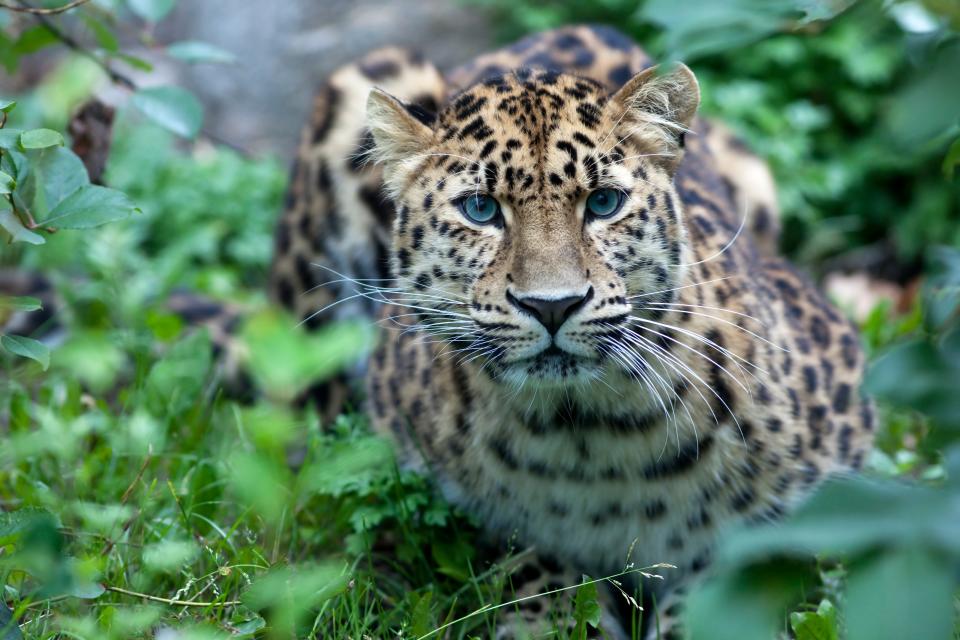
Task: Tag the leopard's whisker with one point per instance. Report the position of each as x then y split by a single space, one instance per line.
699 338
723 320
686 286
708 307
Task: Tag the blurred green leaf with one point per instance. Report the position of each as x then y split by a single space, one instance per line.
173 108
20 303
14 523
10 138
816 625
290 593
747 604
168 556
913 116
916 374
421 620
60 173
284 359
9 630
27 348
854 515
90 206
34 39
822 9
7 183
175 383
104 35
135 62
586 608
263 484
152 10
700 27
195 52
347 466
92 357
6 106
15 228
906 592
951 159
40 139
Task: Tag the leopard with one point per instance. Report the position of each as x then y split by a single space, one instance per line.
588 338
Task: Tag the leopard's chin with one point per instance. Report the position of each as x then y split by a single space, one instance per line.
552 367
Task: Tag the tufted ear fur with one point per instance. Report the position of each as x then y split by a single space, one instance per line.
660 106
397 132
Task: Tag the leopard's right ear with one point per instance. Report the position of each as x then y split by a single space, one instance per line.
398 132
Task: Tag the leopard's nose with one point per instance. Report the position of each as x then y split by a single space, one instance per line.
551 312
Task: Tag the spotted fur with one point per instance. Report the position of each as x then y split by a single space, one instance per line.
699 381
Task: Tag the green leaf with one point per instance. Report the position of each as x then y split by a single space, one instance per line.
104 35
40 139
586 608
951 160
350 465
822 9
15 228
284 359
20 303
816 625
175 383
90 206
135 62
27 348
903 593
6 106
695 28
853 515
195 51
9 630
930 103
13 523
421 622
34 39
10 138
917 374
7 183
59 173
169 556
173 108
261 483
291 593
453 557
151 10
755 597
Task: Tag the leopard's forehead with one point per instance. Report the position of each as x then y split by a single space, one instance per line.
531 104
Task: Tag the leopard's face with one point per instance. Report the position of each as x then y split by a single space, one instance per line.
533 217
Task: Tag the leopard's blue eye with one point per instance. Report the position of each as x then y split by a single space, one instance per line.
480 209
604 203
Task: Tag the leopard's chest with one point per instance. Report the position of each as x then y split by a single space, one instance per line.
595 495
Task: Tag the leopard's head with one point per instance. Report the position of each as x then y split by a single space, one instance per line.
533 210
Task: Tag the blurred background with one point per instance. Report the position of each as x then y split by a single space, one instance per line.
132 481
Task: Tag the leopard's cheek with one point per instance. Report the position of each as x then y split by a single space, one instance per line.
644 248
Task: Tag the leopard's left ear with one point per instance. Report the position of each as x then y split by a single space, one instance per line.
661 106
397 132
